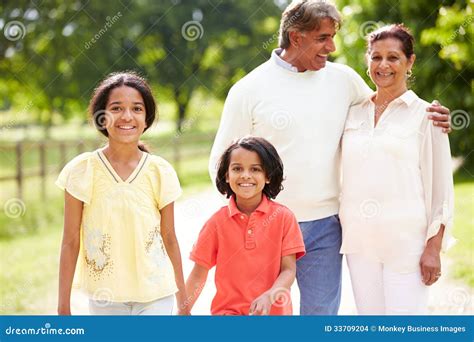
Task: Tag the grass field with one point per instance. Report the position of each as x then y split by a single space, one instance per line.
29 244
29 261
463 252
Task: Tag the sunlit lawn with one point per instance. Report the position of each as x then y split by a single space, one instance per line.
29 257
463 231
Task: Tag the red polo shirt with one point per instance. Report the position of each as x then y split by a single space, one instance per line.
247 252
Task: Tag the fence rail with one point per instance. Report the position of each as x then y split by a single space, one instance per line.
175 150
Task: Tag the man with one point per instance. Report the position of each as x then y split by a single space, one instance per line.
299 102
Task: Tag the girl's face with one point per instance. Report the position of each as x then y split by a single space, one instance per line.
246 176
388 65
125 118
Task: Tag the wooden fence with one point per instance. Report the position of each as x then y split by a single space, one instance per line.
176 151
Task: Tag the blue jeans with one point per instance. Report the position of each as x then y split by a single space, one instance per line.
319 272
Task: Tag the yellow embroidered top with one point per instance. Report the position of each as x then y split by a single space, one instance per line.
122 256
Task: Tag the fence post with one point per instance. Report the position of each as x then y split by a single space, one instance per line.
176 154
62 155
80 147
19 168
42 152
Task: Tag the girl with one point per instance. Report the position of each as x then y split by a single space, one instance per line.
118 214
397 194
253 242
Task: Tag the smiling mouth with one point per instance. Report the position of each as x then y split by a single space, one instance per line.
126 127
246 185
384 74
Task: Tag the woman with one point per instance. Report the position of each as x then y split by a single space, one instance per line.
397 195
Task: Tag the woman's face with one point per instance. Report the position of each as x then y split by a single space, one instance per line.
388 65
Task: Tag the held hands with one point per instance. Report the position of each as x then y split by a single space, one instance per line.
441 116
64 311
430 265
184 312
184 308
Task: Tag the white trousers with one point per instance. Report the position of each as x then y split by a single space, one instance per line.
380 291
161 306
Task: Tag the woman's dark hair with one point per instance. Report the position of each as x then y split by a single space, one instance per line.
271 163
114 80
396 31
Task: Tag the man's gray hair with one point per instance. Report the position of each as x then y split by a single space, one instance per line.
305 15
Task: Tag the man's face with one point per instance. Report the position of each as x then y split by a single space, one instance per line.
312 47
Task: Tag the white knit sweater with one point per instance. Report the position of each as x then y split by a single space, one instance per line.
302 114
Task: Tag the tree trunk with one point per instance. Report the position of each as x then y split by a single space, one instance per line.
182 101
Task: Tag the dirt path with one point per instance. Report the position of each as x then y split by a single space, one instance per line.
447 297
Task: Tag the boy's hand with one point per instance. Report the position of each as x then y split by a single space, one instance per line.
261 305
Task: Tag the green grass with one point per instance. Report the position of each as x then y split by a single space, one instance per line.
29 248
463 230
29 267
29 244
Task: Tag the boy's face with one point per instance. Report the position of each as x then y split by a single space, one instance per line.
246 176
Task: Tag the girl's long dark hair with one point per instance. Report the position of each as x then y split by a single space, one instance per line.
101 95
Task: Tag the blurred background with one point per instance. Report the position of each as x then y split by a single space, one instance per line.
54 52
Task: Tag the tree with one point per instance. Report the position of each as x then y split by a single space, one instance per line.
201 45
443 69
181 46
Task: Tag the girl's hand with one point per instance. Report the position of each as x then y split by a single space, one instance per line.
261 305
64 311
430 264
182 304
184 312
